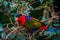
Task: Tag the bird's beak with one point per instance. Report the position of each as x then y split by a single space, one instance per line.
17 18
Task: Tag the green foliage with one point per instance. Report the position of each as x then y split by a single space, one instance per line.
21 37
1 0
36 13
51 1
41 1
58 31
1 27
12 36
3 18
3 35
14 7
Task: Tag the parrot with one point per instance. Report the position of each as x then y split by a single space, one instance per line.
30 23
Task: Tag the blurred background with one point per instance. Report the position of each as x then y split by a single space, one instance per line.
38 9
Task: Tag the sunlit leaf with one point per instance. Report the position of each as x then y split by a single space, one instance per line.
3 35
30 7
50 35
1 0
23 3
16 1
56 24
5 3
41 1
1 27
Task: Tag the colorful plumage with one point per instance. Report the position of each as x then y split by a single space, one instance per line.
21 19
43 28
30 23
33 24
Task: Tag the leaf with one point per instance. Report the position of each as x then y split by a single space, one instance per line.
41 1
30 7
16 1
21 37
12 36
25 12
5 3
23 3
51 1
56 24
50 35
43 18
58 31
3 35
1 27
1 0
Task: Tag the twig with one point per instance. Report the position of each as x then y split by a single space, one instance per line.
50 18
13 31
57 13
29 36
34 2
8 27
49 21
